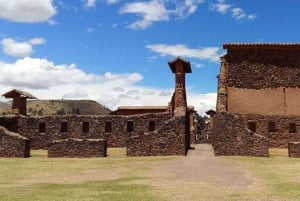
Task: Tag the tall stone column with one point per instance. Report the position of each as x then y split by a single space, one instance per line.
180 67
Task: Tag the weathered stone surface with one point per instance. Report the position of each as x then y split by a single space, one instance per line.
10 122
232 137
294 149
168 139
13 145
257 68
77 148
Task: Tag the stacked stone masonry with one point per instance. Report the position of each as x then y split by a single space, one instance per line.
232 137
116 137
258 68
168 139
77 148
13 145
294 149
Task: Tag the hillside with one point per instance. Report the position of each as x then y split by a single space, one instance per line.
52 107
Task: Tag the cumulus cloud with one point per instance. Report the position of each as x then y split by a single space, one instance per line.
112 1
236 13
27 11
207 53
47 80
157 10
20 49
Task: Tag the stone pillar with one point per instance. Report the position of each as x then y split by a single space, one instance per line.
19 105
180 67
222 89
211 114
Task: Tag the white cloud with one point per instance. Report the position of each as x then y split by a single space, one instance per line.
157 10
179 50
90 30
151 11
236 13
20 49
47 80
220 7
89 3
27 11
112 1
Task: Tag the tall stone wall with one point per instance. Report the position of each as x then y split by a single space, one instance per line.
168 139
231 137
77 148
10 123
260 67
13 145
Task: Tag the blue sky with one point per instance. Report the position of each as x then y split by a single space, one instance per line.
116 51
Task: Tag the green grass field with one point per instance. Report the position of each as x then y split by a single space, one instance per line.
118 177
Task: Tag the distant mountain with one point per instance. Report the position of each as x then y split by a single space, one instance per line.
60 107
4 107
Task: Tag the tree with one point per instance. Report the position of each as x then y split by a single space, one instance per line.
201 121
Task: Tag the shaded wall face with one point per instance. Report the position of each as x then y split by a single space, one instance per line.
263 81
20 105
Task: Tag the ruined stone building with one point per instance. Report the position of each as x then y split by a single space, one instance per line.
258 98
144 131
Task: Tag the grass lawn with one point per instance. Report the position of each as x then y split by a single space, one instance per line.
118 177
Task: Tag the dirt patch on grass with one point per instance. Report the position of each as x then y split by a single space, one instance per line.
202 168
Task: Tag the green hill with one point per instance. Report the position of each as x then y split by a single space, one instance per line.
60 107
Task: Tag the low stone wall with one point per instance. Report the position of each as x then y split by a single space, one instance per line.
116 137
77 148
13 144
232 137
168 139
294 149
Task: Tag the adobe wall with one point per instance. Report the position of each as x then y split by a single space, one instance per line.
77 148
168 139
13 144
231 137
268 101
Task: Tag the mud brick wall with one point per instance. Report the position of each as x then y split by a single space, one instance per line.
231 137
294 149
13 145
168 139
258 67
77 148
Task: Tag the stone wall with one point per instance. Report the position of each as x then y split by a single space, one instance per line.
232 137
259 67
294 149
77 148
9 122
13 145
168 139
29 127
